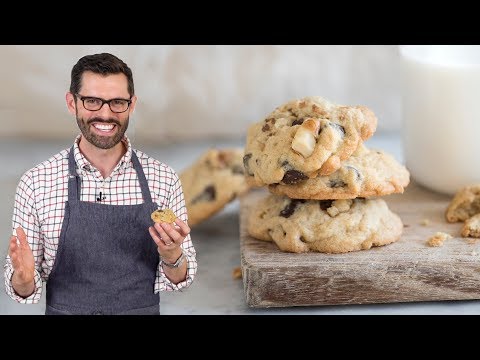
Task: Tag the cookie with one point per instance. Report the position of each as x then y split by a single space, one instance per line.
303 139
464 204
329 226
471 228
164 215
212 181
366 173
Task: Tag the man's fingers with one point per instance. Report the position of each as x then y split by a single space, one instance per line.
13 247
166 238
185 229
156 238
22 237
13 252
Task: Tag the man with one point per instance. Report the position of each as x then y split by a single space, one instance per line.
82 218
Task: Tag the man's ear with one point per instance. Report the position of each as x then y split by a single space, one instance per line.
132 105
71 105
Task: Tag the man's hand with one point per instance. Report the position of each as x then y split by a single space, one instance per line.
169 239
23 264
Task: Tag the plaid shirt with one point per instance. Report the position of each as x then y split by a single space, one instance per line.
40 205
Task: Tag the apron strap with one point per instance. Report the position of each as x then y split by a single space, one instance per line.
74 181
141 178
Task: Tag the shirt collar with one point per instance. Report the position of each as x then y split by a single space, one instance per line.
85 165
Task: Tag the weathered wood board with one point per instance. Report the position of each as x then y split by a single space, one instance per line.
405 271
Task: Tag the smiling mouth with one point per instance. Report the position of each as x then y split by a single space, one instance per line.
106 128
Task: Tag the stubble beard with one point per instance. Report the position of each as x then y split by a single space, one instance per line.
102 142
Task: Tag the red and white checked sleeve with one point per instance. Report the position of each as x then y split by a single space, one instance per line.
177 204
24 215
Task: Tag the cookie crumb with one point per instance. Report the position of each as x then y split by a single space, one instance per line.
237 273
438 239
425 222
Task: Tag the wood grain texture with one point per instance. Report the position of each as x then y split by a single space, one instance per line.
405 271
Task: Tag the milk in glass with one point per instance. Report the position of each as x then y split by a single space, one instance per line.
441 115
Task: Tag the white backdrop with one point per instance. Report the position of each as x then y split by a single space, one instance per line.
190 92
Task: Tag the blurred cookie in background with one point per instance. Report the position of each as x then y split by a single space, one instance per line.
212 181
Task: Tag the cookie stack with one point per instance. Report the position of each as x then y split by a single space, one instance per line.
323 181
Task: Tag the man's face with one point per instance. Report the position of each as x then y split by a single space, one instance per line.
103 128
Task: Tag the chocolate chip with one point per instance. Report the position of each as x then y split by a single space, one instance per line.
290 208
237 169
325 204
359 176
336 183
293 177
266 128
298 121
208 194
246 159
338 127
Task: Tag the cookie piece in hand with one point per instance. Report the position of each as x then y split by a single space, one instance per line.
215 179
304 138
329 226
464 204
364 174
164 215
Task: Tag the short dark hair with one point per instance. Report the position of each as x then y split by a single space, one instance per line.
103 64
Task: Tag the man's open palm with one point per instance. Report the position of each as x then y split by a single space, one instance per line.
22 257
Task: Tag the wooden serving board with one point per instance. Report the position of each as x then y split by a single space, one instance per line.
407 270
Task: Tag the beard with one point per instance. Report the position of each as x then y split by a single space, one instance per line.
102 142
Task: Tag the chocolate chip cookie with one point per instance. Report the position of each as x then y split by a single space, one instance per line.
330 226
163 215
366 173
212 181
304 138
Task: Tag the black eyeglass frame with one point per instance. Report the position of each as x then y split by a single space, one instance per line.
83 98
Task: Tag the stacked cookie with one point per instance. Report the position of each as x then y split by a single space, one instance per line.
310 155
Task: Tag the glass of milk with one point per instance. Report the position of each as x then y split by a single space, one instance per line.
441 115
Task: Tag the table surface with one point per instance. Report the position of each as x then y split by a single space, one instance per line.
216 241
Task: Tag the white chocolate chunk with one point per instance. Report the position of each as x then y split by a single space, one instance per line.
305 138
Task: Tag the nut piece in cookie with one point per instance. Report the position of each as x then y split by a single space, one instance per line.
165 215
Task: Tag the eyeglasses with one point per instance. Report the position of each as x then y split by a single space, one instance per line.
94 104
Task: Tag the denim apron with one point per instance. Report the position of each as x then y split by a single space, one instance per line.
106 260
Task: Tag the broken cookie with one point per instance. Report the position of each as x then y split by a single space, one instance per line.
164 215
